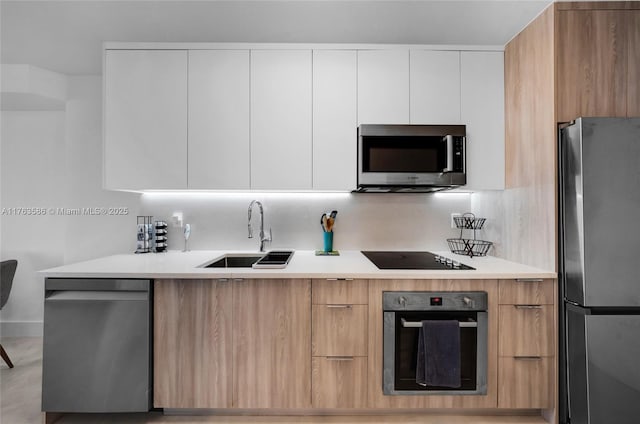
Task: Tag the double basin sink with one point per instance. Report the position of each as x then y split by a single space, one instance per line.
272 259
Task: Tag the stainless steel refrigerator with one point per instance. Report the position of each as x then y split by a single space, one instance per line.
599 164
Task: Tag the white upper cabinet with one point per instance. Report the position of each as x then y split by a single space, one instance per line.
435 87
219 119
383 87
262 119
334 119
145 128
281 120
482 84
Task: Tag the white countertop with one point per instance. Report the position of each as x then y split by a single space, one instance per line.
304 264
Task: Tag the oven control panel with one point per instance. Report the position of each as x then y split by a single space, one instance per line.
442 301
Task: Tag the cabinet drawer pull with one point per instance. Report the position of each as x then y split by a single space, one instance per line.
527 306
339 358
339 279
529 280
223 280
339 306
528 358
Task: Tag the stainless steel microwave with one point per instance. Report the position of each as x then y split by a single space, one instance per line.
411 158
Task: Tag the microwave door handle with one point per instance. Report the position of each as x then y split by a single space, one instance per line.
448 139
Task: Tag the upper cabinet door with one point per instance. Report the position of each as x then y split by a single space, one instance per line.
383 87
435 87
592 56
633 82
219 119
482 111
334 119
281 119
145 128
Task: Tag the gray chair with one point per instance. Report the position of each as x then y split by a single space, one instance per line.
7 271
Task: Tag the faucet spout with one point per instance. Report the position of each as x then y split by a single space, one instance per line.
263 239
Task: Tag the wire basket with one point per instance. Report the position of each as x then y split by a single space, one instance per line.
469 247
469 222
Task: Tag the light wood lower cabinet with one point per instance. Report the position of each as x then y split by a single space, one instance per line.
339 343
339 382
526 292
525 382
526 345
272 343
526 330
340 292
293 344
339 330
192 344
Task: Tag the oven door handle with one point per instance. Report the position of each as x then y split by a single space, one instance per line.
418 324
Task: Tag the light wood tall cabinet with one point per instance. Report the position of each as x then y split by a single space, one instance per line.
575 59
192 344
633 82
597 61
281 119
339 343
383 86
272 343
334 119
526 344
218 145
434 87
145 119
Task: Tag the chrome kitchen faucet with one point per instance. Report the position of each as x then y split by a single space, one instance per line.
263 239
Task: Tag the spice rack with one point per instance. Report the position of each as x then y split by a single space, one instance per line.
144 234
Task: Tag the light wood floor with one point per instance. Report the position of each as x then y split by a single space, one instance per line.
20 391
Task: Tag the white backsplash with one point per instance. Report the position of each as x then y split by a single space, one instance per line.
520 232
364 221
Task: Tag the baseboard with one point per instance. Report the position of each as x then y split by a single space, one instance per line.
21 329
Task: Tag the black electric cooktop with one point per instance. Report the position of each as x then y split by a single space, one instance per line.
412 260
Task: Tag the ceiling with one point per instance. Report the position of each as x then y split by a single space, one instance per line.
67 36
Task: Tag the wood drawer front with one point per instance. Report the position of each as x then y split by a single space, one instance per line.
352 292
526 330
339 382
526 292
525 382
339 330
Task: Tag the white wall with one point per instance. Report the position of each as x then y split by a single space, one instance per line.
53 160
365 221
88 237
33 175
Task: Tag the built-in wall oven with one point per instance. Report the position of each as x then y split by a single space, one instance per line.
404 313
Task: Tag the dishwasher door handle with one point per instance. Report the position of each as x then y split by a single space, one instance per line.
97 295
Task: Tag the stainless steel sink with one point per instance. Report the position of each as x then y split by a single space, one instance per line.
234 261
271 259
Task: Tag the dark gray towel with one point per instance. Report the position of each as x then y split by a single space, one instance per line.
439 354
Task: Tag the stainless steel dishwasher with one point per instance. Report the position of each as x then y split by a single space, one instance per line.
97 345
